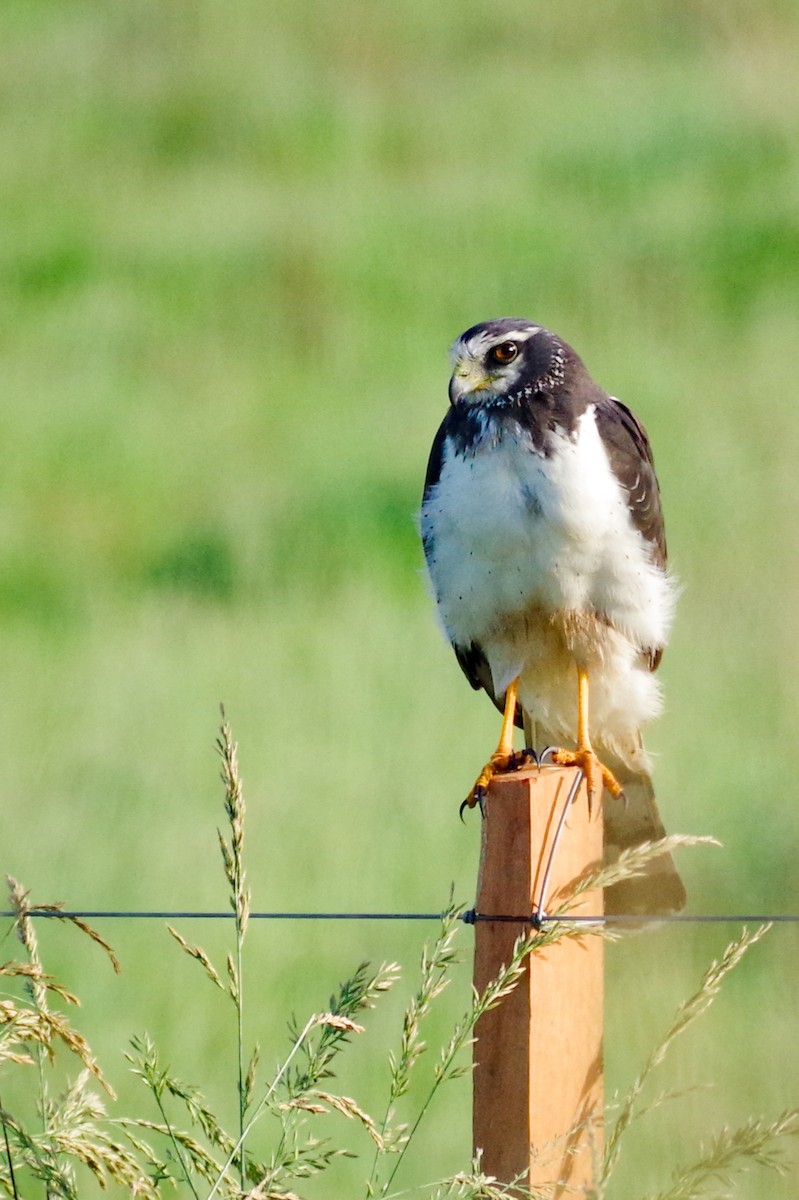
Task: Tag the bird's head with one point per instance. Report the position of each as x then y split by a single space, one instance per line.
496 361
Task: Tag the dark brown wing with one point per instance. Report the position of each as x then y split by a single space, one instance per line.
630 456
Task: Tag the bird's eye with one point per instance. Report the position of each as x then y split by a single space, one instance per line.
505 352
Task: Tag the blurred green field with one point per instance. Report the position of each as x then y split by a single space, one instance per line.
235 243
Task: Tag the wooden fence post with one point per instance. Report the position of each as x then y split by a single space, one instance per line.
538 1084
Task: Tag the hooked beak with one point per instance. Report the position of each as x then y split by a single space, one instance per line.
468 377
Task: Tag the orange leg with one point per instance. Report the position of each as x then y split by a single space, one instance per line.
597 775
504 758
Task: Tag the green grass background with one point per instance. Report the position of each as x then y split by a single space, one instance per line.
235 243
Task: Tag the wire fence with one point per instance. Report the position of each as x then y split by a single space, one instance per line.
469 916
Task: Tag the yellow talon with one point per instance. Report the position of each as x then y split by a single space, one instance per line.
503 758
597 775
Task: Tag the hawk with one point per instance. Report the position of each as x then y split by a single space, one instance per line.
544 539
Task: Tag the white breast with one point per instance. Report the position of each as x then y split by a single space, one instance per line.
512 527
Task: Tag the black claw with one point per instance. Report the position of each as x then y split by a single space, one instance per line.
470 802
476 799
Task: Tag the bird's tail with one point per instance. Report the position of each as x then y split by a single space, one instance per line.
629 822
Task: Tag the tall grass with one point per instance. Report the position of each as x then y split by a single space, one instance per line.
78 1140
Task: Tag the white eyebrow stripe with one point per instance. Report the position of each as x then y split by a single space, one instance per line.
479 343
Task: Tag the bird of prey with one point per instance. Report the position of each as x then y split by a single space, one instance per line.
544 539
